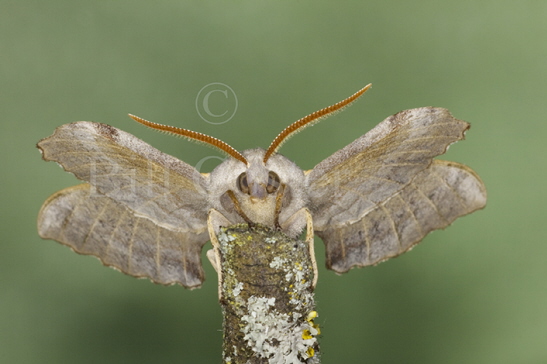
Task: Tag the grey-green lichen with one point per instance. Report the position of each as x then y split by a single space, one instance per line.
267 297
278 336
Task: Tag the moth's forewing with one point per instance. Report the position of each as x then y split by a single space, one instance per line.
351 182
130 171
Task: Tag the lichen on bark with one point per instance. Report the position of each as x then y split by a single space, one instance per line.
266 295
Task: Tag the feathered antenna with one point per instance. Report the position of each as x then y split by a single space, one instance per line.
192 135
309 120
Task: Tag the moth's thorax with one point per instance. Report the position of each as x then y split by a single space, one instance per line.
256 202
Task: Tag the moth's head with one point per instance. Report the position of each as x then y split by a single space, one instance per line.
257 181
257 191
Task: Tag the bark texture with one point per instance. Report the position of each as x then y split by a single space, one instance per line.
266 294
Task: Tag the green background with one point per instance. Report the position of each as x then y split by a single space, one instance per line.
473 293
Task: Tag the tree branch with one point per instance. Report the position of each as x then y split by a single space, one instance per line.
266 292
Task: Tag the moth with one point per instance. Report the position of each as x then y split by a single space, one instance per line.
149 214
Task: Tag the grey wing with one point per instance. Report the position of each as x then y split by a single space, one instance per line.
432 200
347 185
94 224
154 185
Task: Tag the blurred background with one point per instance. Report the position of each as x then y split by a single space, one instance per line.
473 293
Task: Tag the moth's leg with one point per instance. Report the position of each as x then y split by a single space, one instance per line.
214 221
235 203
295 223
279 205
213 259
311 246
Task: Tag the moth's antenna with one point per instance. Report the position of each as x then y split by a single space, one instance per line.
309 120
192 135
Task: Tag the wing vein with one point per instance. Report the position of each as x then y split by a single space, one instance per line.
111 236
407 206
130 244
454 191
67 219
393 227
95 221
158 250
430 202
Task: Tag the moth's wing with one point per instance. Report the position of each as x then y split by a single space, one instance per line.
153 184
94 224
353 181
432 200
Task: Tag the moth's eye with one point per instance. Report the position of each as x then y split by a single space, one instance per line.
242 183
273 182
